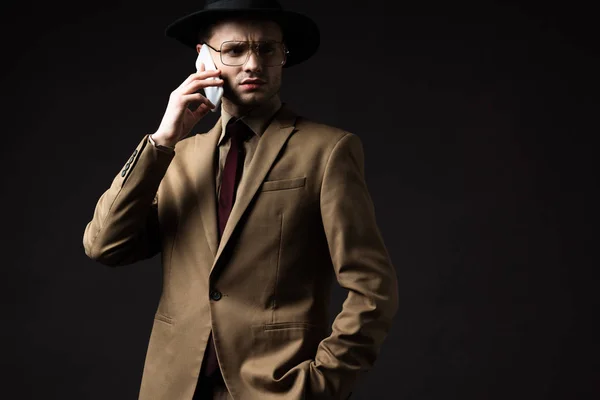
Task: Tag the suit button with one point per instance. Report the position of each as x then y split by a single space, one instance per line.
215 295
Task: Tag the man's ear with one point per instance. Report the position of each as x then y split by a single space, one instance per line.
198 47
286 54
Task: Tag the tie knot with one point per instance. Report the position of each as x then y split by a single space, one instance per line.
238 130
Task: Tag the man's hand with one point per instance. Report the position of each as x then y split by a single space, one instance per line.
179 118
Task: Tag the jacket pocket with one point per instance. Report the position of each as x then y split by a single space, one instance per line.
278 348
286 325
282 184
163 318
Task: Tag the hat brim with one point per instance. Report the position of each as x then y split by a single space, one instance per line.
300 33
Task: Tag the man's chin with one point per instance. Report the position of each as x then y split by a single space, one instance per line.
253 99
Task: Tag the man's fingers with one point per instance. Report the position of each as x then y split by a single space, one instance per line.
196 85
197 98
200 75
206 74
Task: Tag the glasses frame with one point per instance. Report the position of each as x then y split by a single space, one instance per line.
250 49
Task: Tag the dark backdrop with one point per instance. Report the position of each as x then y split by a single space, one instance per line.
477 121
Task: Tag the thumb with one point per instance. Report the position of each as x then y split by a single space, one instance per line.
201 111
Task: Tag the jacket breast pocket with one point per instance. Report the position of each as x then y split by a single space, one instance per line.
282 184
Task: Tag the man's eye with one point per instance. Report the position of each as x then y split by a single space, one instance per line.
267 49
235 50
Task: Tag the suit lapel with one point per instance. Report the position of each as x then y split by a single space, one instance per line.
205 152
269 146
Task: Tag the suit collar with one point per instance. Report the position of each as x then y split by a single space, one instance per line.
203 160
257 119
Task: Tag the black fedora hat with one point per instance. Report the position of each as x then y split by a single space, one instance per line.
300 33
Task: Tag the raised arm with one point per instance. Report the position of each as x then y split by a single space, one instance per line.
125 226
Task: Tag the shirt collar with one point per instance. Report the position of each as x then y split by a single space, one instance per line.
257 120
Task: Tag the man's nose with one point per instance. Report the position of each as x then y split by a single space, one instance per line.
253 63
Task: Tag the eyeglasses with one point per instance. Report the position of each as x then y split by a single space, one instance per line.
236 53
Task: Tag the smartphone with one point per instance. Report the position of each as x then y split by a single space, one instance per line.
212 93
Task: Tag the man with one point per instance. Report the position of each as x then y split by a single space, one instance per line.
253 219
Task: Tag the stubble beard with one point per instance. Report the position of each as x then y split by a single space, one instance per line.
251 99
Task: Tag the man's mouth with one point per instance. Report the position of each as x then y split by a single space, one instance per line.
252 84
252 81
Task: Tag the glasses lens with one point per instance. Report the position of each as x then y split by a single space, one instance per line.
270 52
236 53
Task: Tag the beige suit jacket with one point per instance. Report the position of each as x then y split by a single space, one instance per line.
302 216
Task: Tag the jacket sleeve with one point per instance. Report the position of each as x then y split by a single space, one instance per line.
362 266
125 228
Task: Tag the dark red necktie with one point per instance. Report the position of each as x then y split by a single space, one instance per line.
238 132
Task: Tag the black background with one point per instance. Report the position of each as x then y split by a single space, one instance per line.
478 122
